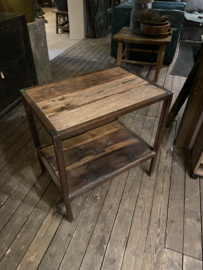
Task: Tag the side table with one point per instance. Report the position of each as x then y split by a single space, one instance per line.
125 35
89 145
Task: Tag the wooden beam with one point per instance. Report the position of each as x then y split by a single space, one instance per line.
193 109
185 92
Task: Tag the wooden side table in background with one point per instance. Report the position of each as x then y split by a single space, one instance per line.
89 145
125 35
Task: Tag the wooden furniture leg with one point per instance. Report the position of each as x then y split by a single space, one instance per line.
57 23
119 53
160 61
127 50
193 111
33 129
62 174
50 3
160 132
185 92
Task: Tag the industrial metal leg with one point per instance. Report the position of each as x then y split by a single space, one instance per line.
63 176
33 129
160 132
160 61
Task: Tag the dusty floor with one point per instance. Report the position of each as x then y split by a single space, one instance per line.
57 43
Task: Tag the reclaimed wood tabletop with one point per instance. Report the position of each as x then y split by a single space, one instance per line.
85 99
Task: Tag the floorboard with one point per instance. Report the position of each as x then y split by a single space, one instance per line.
131 222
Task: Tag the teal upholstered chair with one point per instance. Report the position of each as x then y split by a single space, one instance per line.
121 17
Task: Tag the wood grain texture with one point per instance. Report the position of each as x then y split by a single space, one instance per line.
155 244
58 89
134 253
191 263
192 220
65 233
97 155
127 36
197 153
185 91
172 260
86 98
192 111
160 61
117 243
19 246
175 221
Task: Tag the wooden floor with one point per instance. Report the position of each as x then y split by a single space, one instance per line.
131 222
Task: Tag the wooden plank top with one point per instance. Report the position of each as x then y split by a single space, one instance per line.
97 155
86 99
127 36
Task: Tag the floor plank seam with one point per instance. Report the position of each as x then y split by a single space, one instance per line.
117 208
20 117
143 172
114 220
19 164
95 224
158 162
20 203
26 219
95 52
183 254
175 123
18 139
37 231
2 142
10 113
62 56
72 233
3 130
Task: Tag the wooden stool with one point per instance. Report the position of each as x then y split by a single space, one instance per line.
125 35
59 15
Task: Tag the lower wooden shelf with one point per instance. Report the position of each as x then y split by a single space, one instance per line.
97 156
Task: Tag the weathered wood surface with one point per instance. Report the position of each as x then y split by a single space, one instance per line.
191 263
85 99
97 155
185 91
175 221
125 35
197 153
130 37
172 260
106 218
193 109
192 218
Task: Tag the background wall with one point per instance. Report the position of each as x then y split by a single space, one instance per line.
77 18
